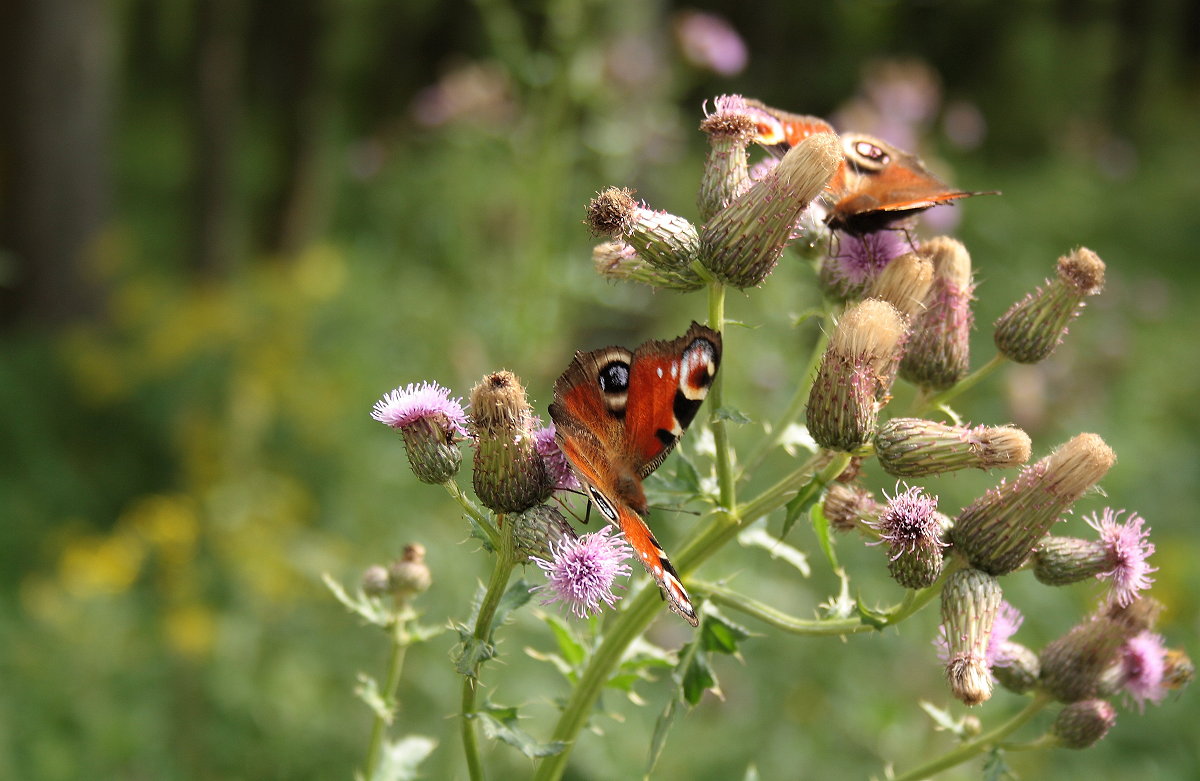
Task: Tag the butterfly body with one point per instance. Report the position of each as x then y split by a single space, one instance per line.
618 414
876 185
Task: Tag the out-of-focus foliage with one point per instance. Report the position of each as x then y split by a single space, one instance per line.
180 473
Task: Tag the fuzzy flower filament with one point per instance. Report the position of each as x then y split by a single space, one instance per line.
582 572
430 423
912 529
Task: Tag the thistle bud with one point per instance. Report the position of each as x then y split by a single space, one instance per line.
938 352
742 243
904 283
1017 669
1083 724
847 506
1075 665
509 474
970 602
537 530
912 447
430 422
375 581
1030 330
998 531
409 575
730 129
843 406
665 242
855 261
912 529
618 260
1060 561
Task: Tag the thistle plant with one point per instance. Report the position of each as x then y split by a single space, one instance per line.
897 313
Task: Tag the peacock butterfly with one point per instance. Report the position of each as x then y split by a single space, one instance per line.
876 185
617 415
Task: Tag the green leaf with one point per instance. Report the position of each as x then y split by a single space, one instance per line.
751 773
821 527
515 597
870 616
841 606
370 609
733 415
806 315
559 663
995 768
681 479
799 503
758 537
698 677
718 633
478 533
662 727
569 646
500 723
368 691
400 759
471 652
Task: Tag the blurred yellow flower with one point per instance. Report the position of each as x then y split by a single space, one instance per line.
190 630
100 566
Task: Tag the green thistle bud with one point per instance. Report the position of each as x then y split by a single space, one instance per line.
509 474
937 354
970 601
1083 724
430 423
1060 561
375 581
843 406
536 530
1075 666
742 243
409 575
1017 669
913 447
904 283
663 241
848 506
1033 327
618 260
730 129
998 531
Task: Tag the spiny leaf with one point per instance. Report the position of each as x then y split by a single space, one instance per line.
875 618
799 503
718 633
572 650
758 537
995 768
733 415
824 534
698 677
400 759
662 727
368 691
370 609
471 653
515 597
500 723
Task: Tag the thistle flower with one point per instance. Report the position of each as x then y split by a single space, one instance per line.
857 261
913 447
618 260
409 575
847 505
998 531
1083 724
912 529
854 375
538 529
904 283
1030 330
663 241
1119 556
937 354
742 243
582 571
557 468
730 130
509 473
1085 663
1143 669
970 602
429 421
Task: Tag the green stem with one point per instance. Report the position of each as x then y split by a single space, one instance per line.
978 745
505 562
481 519
724 461
395 665
922 403
782 492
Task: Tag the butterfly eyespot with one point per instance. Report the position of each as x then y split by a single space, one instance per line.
870 151
614 377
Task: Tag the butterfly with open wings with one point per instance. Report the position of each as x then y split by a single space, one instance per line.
617 415
877 184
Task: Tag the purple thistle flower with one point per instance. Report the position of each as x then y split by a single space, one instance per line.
582 571
909 521
557 468
407 405
858 260
709 41
1129 547
1008 621
1143 665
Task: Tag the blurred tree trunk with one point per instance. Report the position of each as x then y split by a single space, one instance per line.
55 101
217 62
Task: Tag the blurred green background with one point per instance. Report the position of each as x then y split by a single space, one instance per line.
226 228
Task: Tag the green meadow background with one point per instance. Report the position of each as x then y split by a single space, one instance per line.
226 228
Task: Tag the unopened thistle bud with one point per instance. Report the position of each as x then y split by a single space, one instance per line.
742 243
664 241
847 506
904 283
430 422
843 406
913 447
1074 666
970 602
998 531
537 530
1018 667
938 353
1060 561
509 474
618 260
1033 327
1083 724
855 261
409 575
730 129
912 528
375 581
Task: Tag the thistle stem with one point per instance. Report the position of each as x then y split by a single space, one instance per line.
724 459
923 403
395 664
477 515
978 745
